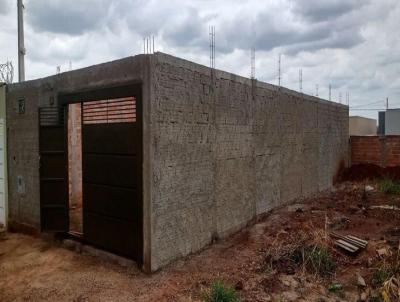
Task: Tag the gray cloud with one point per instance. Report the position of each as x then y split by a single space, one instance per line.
351 44
66 17
267 29
309 37
188 29
340 40
141 16
298 26
316 10
4 7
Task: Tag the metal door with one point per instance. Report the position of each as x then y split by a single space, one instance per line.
53 170
111 168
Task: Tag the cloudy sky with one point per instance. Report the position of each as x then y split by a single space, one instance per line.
354 45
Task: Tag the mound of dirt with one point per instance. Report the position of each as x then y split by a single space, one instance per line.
369 171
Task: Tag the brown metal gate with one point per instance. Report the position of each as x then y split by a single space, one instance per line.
111 168
53 170
112 173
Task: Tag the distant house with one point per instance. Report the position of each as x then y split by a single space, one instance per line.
359 125
389 122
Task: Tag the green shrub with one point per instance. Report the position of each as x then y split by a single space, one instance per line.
389 186
221 293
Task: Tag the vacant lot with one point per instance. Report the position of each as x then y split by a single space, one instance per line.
258 261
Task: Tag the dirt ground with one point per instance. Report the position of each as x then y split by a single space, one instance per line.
32 269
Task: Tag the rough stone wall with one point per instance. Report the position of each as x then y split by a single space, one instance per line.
215 155
23 129
382 151
23 156
224 153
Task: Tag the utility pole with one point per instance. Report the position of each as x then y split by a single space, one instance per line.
21 45
387 103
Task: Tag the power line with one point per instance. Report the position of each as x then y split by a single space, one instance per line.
367 109
372 103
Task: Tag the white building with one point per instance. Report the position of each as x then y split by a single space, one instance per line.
359 125
392 122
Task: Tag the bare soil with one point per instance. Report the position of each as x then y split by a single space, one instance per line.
32 269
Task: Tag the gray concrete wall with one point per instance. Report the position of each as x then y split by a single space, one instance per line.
392 122
214 157
23 129
220 156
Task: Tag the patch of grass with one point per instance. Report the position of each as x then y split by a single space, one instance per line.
316 259
386 278
335 287
219 292
384 272
389 186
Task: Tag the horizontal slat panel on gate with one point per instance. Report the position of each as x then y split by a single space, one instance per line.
110 111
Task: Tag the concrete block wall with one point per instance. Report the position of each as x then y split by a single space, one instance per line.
215 153
383 151
224 152
23 129
23 155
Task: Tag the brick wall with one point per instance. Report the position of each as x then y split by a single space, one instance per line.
383 151
223 153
